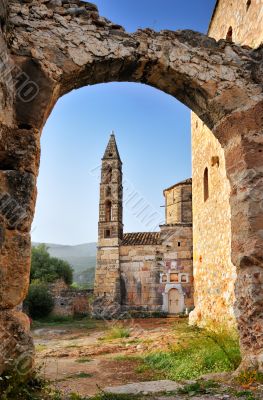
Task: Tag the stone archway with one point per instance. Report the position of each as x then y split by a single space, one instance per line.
166 297
49 49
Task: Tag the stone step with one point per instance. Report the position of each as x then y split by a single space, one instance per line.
163 386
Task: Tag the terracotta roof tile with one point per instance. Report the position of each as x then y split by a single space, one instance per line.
140 238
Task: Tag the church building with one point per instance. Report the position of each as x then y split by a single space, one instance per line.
142 271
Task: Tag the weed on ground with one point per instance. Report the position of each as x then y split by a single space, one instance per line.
117 332
83 360
194 353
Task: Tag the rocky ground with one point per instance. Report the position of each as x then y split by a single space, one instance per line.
87 359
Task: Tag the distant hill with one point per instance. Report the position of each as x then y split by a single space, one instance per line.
81 257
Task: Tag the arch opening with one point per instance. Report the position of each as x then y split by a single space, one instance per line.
184 64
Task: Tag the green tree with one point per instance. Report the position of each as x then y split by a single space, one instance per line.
48 269
63 270
39 301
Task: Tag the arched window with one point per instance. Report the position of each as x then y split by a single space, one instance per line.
206 185
248 4
229 35
108 175
108 211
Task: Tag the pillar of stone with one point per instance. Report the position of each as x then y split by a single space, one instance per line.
244 169
110 232
19 155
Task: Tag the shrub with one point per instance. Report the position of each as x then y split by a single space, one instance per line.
13 386
117 332
247 378
39 301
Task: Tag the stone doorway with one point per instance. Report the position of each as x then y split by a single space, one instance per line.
173 299
174 302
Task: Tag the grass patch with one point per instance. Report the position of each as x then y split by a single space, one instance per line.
79 375
117 332
197 352
127 358
35 388
40 347
199 387
83 360
73 346
81 323
134 341
245 395
142 368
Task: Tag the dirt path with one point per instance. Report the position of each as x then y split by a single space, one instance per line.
84 357
82 360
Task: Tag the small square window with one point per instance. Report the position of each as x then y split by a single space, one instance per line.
164 278
107 233
179 244
183 278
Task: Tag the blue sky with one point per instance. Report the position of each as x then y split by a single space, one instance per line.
152 131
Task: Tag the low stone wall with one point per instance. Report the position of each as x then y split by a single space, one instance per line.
69 302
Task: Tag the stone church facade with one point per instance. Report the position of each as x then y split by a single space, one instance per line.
143 271
214 273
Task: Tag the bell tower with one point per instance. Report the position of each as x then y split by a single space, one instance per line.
110 212
110 232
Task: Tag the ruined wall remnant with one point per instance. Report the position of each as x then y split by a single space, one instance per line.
70 302
50 48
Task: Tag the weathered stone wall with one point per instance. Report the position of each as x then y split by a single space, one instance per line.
146 270
214 272
178 203
70 302
16 343
107 279
176 258
140 278
245 17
